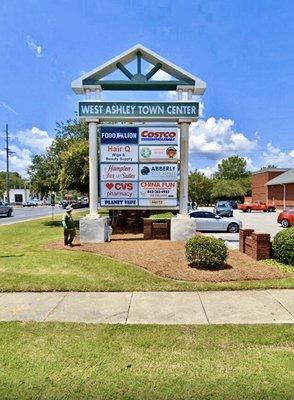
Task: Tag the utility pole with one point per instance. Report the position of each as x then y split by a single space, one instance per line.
7 165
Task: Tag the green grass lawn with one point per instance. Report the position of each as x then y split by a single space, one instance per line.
26 266
68 361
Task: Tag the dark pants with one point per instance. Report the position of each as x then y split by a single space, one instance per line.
69 235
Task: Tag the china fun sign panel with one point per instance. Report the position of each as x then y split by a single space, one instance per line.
138 166
149 190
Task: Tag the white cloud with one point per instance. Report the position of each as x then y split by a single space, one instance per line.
34 138
7 107
217 138
208 171
24 145
275 156
37 49
19 160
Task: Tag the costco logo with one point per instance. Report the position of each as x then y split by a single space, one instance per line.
160 135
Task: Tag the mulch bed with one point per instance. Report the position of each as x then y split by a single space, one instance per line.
167 259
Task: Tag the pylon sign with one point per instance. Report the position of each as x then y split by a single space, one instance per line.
139 166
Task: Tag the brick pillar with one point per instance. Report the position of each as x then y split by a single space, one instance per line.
261 246
168 229
243 233
147 228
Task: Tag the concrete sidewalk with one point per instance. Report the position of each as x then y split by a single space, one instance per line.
224 307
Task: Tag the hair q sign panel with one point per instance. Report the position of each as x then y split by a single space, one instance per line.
159 135
113 153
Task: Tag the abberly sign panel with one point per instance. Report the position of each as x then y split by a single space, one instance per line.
139 166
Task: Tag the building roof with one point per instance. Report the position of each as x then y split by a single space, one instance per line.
286 177
261 171
96 77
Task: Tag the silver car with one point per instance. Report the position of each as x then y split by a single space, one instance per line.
5 209
208 221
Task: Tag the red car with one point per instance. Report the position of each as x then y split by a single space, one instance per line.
257 206
286 218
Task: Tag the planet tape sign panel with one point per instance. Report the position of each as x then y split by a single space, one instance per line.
139 166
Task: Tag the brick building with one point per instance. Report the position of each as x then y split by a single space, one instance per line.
274 184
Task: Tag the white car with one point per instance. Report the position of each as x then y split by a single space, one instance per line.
208 221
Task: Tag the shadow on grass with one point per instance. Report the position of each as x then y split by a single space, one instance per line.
208 268
11 255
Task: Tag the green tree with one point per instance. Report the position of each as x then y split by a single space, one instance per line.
200 188
64 166
15 182
74 173
232 180
227 189
233 167
270 166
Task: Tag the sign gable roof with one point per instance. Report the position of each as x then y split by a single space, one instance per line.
93 78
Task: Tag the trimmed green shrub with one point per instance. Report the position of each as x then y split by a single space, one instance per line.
283 246
206 252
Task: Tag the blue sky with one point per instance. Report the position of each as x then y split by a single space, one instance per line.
242 49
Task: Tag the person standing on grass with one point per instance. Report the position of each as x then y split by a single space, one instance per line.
68 227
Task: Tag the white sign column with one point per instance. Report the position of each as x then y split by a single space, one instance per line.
184 167
93 169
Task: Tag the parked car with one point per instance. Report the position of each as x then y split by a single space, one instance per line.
223 209
257 206
63 203
5 209
233 203
209 221
286 218
30 203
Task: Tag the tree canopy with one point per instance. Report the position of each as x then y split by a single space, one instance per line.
200 187
232 180
65 164
15 181
230 168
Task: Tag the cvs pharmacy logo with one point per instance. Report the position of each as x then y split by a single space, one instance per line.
119 186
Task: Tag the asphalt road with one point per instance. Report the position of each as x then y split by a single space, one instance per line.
27 213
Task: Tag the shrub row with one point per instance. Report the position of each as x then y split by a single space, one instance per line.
283 246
